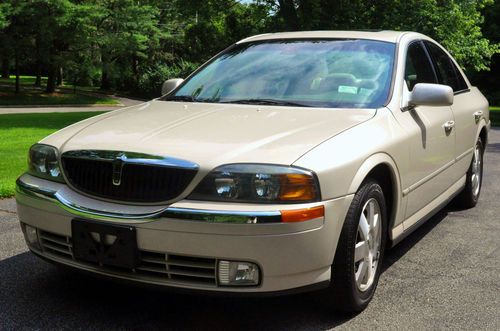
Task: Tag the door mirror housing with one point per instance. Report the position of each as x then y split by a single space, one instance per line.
169 85
425 94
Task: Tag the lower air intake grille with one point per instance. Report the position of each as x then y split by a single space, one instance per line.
159 267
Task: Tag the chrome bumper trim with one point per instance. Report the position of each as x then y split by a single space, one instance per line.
204 215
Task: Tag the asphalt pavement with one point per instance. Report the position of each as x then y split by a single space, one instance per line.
446 275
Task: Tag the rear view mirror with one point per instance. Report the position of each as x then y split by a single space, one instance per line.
169 85
424 94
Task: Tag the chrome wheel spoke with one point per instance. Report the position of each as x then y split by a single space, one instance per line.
476 171
364 227
361 251
367 247
371 211
361 274
370 271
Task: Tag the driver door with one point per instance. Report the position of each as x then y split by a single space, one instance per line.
431 140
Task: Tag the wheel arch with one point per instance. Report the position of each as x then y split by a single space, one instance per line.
383 168
483 133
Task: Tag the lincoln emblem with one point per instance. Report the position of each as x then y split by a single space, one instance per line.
117 169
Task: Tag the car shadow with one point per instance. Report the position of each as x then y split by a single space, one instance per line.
397 252
36 294
493 148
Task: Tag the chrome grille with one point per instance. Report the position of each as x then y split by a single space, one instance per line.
158 267
127 177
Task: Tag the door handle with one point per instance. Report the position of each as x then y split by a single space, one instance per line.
448 126
478 115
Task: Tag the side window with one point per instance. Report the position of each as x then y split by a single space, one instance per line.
418 67
447 72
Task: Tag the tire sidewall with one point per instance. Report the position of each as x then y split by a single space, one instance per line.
373 191
475 198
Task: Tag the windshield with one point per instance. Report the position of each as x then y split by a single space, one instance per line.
312 73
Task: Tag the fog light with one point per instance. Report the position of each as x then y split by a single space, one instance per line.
31 236
238 273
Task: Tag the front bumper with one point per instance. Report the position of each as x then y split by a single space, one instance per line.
181 252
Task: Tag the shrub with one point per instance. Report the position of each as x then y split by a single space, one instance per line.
152 78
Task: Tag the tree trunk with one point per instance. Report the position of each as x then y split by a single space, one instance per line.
289 14
105 83
135 70
16 60
38 80
5 67
51 79
59 76
306 14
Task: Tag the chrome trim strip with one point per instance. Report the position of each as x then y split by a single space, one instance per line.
204 215
428 178
131 157
464 154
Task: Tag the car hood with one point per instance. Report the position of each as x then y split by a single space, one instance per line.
210 134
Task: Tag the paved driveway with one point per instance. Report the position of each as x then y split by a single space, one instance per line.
446 275
126 102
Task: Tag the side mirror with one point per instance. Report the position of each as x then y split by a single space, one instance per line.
169 85
436 95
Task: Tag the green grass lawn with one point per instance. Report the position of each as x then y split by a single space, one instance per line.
31 95
18 132
495 116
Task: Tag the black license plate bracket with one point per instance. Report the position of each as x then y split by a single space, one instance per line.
105 244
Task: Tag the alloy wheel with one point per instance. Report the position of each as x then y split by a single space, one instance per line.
367 248
476 170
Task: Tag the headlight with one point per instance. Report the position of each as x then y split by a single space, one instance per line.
43 162
258 183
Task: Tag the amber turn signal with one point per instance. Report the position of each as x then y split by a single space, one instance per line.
297 187
300 215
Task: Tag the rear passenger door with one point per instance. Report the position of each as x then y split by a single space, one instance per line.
463 110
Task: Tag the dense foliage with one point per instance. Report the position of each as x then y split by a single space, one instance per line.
133 45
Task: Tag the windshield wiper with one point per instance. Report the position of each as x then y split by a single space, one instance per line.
186 98
272 102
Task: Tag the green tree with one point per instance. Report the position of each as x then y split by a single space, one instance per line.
4 53
125 30
454 23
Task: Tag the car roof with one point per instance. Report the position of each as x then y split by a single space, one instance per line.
385 35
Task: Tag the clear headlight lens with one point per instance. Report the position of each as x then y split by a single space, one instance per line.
258 183
43 162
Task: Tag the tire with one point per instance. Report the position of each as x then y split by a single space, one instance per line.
349 292
469 196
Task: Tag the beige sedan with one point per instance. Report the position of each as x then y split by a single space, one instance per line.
288 162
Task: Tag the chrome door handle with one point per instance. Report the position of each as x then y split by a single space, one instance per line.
448 126
478 115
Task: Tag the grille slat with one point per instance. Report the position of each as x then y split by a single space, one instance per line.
49 246
139 182
206 265
55 239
